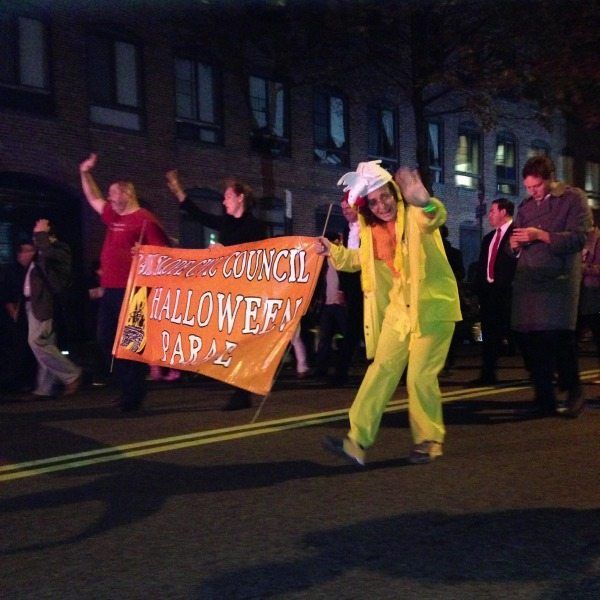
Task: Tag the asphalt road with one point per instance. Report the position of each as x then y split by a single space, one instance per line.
185 501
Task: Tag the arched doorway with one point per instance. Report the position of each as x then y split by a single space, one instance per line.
25 198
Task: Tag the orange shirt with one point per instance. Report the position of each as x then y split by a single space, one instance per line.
384 244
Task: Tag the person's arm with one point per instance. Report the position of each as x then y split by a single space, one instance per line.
174 185
53 258
342 258
90 189
196 214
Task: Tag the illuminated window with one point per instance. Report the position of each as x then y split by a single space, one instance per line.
24 63
383 136
468 159
592 179
115 82
435 151
330 129
564 168
269 104
197 109
506 164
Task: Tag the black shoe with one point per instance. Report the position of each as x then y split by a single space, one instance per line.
347 449
575 403
32 397
239 400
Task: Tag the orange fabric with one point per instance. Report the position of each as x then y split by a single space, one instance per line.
227 312
384 244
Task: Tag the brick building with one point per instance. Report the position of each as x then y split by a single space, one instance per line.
138 88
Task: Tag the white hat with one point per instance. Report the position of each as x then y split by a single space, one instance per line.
369 176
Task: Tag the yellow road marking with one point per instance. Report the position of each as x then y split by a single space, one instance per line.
200 438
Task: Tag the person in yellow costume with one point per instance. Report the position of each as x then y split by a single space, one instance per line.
410 306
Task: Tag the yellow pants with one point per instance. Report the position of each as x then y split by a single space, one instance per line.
426 354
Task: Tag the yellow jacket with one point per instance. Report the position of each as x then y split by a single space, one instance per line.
427 284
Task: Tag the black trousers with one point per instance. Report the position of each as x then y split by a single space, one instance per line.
550 353
131 374
495 303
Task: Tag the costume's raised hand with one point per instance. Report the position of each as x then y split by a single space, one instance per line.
174 185
411 186
89 163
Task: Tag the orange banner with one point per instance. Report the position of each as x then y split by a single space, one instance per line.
226 312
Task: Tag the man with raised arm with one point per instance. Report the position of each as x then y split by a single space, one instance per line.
127 224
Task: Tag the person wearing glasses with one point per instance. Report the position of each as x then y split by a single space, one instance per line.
411 306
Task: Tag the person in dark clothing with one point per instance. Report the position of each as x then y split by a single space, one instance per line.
455 258
493 286
18 361
237 226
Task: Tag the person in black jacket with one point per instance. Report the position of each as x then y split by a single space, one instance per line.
46 277
18 365
493 285
237 226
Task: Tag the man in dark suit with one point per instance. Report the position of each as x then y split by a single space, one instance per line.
493 285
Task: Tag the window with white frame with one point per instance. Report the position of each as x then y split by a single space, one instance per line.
114 75
467 162
330 129
565 167
197 108
269 104
383 135
505 161
24 62
592 179
435 151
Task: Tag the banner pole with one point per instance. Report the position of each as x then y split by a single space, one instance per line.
263 401
327 219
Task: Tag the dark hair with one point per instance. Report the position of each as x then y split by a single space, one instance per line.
539 166
367 213
505 204
241 188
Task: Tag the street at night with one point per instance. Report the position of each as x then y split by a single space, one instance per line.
182 500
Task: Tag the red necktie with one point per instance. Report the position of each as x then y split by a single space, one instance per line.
494 254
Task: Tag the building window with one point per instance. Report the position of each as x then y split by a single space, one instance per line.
592 179
273 214
538 148
506 165
565 168
114 68
331 129
197 108
468 159
270 107
435 151
383 135
24 63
